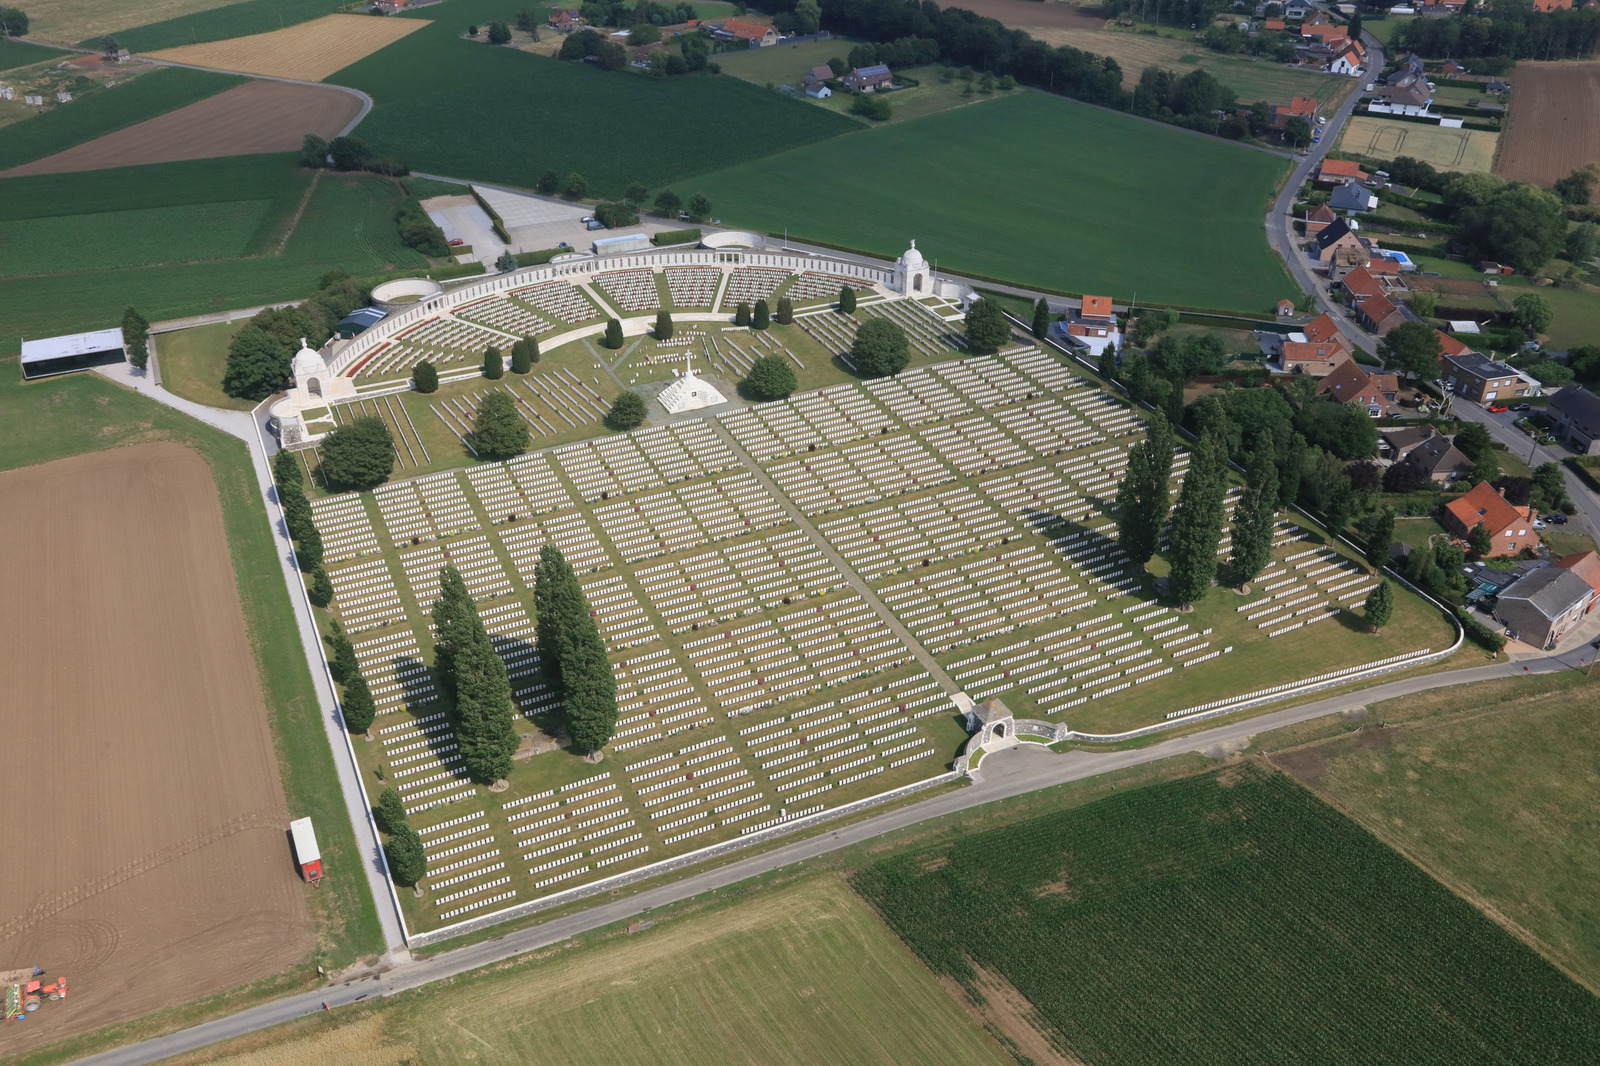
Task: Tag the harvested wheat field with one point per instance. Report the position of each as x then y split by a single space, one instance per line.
146 850
310 51
71 21
1551 128
259 116
1447 149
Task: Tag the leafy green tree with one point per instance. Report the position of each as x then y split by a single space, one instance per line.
344 661
1197 525
1411 349
1041 318
879 349
1106 366
761 318
553 584
741 314
258 365
785 315
987 326
1424 303
1297 131
1577 188
663 325
1472 440
348 153
770 378
1380 541
1253 520
13 22
628 412
359 454
699 207
1523 225
136 338
613 339
573 653
358 707
425 376
642 34
390 810
1549 485
408 863
548 183
499 431
668 203
847 300
575 185
636 194
1344 429
1143 499
308 548
521 357
321 587
1480 541
1533 312
286 469
807 17
1379 607
874 107
313 151
499 32
1582 244
494 366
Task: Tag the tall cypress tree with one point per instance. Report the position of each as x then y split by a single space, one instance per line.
1142 498
473 672
573 654
1380 543
1041 318
553 580
1197 525
450 626
1253 519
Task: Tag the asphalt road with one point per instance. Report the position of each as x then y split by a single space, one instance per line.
1002 775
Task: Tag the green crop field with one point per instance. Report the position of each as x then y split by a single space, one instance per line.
14 54
1492 789
104 112
467 110
345 221
1036 190
800 975
147 236
221 23
1231 917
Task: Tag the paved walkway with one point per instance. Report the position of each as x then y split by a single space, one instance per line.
242 424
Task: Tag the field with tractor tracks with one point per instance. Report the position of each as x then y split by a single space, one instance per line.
138 768
1551 129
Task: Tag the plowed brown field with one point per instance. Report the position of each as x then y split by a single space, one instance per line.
308 52
145 852
1034 13
1552 128
259 116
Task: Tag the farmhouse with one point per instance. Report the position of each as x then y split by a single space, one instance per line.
1348 383
1576 414
1300 107
77 351
1090 326
1510 527
815 83
1481 379
565 21
869 79
1541 606
752 33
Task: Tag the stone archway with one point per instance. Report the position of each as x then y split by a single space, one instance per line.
314 387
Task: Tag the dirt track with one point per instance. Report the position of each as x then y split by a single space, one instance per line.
259 116
1551 128
145 837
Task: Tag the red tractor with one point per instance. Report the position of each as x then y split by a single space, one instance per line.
25 991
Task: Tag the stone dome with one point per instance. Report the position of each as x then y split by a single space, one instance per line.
913 259
307 363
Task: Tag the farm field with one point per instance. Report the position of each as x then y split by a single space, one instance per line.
430 86
1448 149
191 233
156 92
200 21
70 21
1229 917
80 414
14 54
256 117
345 221
1484 789
1251 79
1027 13
1116 209
1549 134
156 779
309 51
793 976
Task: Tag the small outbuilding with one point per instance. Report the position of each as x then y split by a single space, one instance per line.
75 351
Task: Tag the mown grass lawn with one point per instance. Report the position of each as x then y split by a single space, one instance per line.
1036 190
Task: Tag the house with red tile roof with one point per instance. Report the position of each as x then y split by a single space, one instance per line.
1510 527
1339 171
1348 383
1091 326
1300 107
1319 219
1097 309
1324 330
1312 358
753 33
1379 315
1585 564
1349 56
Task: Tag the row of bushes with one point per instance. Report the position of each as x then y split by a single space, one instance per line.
418 231
495 221
677 236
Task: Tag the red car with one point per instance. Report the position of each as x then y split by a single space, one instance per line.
1498 410
458 242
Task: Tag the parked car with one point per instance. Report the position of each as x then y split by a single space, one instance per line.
1557 519
595 224
1522 407
457 243
1499 410
586 219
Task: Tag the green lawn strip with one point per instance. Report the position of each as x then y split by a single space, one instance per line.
192 362
221 23
346 222
83 413
1033 192
1258 925
1577 311
1385 29
1490 788
430 86
98 114
14 54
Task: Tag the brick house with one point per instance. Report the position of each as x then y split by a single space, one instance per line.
1510 527
1333 172
1439 460
1312 357
752 33
1380 316
1338 244
1348 383
869 79
1319 219
1481 379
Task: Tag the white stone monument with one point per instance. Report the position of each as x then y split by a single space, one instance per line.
689 392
